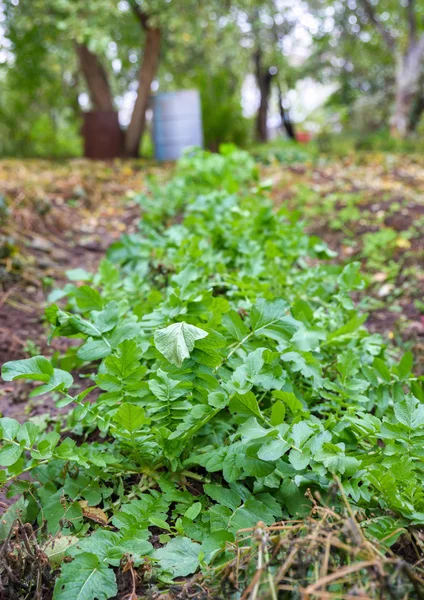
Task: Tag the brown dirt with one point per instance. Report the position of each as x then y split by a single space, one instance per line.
60 217
389 194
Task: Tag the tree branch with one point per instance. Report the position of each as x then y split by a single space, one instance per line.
420 45
385 33
412 20
96 78
141 15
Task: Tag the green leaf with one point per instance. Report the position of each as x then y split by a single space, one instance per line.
78 274
350 278
410 413
9 454
246 403
382 369
18 509
59 380
193 511
405 366
231 468
84 326
180 556
167 390
278 412
94 350
307 339
159 523
214 542
130 416
176 341
37 368
348 363
222 495
301 432
106 319
297 504
88 299
234 325
56 548
306 364
28 432
264 313
299 460
290 400
9 428
273 450
85 578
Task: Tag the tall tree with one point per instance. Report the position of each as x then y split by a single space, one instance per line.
110 44
371 35
148 69
270 22
407 48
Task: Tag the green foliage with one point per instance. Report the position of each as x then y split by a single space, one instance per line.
222 115
223 349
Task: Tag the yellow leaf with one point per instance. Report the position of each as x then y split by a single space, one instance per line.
91 512
403 243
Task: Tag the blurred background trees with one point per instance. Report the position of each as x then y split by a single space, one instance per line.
261 66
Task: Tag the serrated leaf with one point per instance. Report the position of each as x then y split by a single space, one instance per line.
176 341
130 416
410 412
265 313
307 339
234 325
350 278
348 364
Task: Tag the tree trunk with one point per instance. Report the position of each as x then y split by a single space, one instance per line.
417 110
96 79
147 73
407 80
285 117
263 81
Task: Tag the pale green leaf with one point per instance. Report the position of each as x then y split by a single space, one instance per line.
85 578
176 341
180 556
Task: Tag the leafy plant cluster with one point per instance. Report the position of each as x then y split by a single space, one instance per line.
230 373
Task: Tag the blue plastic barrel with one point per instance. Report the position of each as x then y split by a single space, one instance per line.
177 123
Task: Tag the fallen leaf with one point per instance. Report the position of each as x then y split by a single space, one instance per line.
93 513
